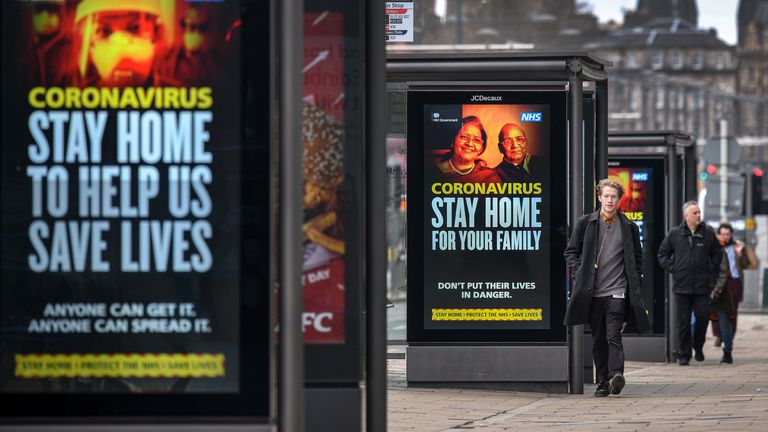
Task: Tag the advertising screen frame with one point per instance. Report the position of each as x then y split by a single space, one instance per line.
658 165
251 403
446 95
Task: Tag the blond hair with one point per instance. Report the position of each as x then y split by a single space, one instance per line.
610 183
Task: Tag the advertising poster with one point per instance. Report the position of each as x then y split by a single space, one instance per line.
635 201
121 191
486 214
324 178
642 181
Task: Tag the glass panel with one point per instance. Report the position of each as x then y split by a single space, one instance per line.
121 186
333 160
397 211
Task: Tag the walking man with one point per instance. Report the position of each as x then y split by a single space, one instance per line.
606 264
692 254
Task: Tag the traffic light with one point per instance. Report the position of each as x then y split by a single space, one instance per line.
711 169
757 172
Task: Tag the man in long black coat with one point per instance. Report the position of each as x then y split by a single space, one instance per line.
605 259
692 254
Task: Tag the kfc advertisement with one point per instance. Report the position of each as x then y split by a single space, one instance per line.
121 190
325 181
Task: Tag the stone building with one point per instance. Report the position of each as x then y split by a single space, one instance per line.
752 72
668 74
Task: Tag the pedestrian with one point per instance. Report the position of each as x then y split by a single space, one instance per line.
605 259
740 257
721 300
692 254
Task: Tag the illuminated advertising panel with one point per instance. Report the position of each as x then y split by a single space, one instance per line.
490 214
126 227
643 203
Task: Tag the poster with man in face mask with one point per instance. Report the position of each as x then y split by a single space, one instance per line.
122 187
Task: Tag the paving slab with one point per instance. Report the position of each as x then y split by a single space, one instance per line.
704 396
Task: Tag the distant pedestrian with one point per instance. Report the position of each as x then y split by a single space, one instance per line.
723 307
692 254
740 257
606 264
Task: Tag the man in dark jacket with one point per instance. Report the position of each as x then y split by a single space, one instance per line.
692 254
606 264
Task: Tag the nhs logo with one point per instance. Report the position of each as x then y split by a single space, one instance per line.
530 117
640 177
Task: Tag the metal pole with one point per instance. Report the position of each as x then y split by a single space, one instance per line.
601 151
723 170
673 207
749 232
459 22
576 192
376 238
291 384
690 172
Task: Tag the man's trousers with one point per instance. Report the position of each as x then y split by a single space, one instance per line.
606 317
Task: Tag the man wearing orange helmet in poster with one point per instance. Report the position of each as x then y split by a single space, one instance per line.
119 42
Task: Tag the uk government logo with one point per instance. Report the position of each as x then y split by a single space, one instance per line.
437 119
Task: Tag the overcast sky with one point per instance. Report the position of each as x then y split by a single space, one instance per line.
720 14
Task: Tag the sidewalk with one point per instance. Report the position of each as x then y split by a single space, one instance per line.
658 397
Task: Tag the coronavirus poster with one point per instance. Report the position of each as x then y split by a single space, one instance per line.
486 214
121 193
643 195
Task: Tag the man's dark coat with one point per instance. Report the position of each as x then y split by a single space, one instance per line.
693 259
580 258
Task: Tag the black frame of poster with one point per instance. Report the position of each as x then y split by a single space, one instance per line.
556 99
251 403
657 164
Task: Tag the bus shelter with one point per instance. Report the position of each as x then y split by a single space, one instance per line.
658 170
496 144
189 219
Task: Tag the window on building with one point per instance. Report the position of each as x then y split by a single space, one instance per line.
677 60
632 61
657 60
697 61
660 98
635 97
719 61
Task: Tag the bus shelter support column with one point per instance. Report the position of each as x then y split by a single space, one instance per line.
576 199
673 207
601 129
376 239
291 351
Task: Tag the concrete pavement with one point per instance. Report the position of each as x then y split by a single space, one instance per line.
658 397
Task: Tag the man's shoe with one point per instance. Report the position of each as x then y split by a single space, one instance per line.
699 355
683 361
617 383
718 341
602 390
727 358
